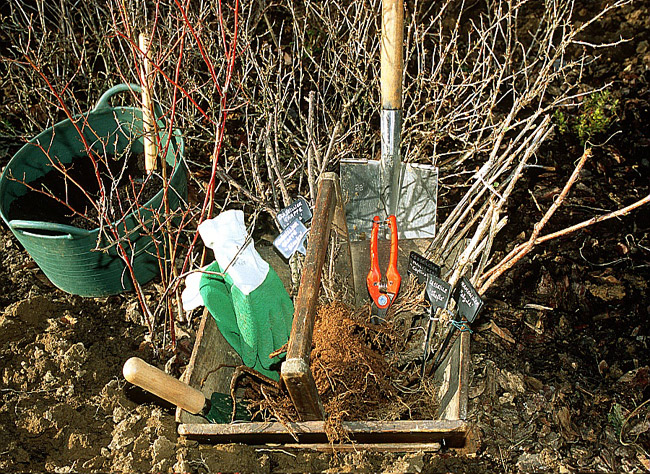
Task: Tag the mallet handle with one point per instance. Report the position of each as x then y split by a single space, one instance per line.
154 380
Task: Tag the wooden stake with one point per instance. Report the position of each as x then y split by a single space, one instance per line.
148 121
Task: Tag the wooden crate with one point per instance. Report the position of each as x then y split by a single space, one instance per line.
211 351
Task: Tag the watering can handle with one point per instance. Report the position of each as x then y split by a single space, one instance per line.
66 231
392 56
104 102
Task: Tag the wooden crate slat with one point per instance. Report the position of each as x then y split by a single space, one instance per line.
450 432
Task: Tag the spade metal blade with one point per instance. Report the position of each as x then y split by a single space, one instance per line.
416 209
361 190
366 194
388 186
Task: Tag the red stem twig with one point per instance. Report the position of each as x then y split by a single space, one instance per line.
521 250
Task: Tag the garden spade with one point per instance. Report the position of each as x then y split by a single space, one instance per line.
217 409
388 186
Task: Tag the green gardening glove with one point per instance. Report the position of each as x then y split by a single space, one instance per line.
255 324
248 300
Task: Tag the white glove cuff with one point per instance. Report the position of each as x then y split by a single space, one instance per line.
191 296
226 235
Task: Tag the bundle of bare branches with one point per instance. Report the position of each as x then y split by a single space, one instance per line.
271 95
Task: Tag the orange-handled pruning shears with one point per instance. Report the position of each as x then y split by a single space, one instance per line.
383 290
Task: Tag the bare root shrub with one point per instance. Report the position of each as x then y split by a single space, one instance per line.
271 95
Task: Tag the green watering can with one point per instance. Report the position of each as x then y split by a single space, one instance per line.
67 254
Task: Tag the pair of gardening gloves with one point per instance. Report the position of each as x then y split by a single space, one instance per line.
242 292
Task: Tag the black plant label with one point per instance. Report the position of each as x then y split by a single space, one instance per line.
438 292
292 239
298 209
422 267
467 299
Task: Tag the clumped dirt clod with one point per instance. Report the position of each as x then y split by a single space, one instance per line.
349 373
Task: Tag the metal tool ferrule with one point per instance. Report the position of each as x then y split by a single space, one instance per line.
391 132
390 166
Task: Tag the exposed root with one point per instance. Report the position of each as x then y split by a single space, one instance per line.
241 370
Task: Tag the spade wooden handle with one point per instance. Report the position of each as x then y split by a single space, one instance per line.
154 380
392 57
